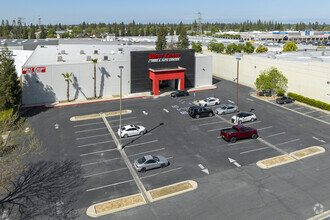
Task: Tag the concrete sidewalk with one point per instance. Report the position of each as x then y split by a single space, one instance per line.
112 98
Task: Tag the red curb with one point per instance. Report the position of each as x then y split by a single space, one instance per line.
83 103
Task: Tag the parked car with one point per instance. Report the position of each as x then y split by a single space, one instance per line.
244 117
150 162
209 101
180 93
226 109
197 112
131 130
284 99
264 93
238 132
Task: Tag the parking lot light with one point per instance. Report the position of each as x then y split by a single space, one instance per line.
121 91
238 58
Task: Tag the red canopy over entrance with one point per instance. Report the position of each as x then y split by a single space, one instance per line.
166 74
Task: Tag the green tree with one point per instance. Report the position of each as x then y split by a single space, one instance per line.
261 49
183 42
10 91
216 47
43 33
197 46
248 48
240 48
231 48
290 46
161 39
94 62
67 78
51 32
25 34
272 80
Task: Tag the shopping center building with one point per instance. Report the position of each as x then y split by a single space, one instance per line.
143 71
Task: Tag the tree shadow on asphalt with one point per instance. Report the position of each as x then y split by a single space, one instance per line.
32 111
132 141
44 190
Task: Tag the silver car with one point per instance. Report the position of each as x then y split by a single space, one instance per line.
150 162
226 109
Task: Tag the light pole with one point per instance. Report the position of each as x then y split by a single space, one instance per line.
121 93
238 59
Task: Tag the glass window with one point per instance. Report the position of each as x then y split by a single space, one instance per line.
150 161
141 160
156 158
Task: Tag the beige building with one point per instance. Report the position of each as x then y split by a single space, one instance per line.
308 74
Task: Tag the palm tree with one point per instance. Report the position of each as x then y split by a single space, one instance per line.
95 62
68 79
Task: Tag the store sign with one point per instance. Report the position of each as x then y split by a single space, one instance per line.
33 70
166 57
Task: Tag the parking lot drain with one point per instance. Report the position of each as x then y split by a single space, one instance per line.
172 190
94 116
115 205
308 152
275 161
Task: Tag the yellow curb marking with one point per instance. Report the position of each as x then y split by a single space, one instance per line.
135 200
94 116
115 205
275 161
288 158
172 190
308 152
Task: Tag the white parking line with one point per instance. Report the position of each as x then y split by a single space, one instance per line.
133 145
319 140
250 99
106 172
260 129
298 108
95 123
230 101
146 152
288 142
310 112
121 119
167 171
93 144
102 161
114 184
94 129
134 136
245 152
240 142
216 129
99 135
97 152
322 116
273 135
254 122
217 122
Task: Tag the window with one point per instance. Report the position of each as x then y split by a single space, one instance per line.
156 158
150 161
141 160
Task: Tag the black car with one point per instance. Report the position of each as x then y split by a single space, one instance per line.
180 93
197 112
284 99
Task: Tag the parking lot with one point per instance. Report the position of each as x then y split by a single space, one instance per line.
193 146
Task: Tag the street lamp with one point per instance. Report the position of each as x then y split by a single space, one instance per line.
121 93
238 58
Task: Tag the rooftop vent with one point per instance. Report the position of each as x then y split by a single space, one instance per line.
120 50
82 52
62 51
89 58
112 52
96 52
42 46
60 59
105 58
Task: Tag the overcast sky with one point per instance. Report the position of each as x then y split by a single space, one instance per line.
164 11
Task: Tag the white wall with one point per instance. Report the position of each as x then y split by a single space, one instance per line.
308 79
203 70
52 87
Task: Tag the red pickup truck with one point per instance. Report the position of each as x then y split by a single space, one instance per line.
238 132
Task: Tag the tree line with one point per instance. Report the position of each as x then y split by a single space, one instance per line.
19 30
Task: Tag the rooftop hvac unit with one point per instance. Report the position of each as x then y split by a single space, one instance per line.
89 58
62 51
82 52
105 58
60 59
95 52
120 50
42 46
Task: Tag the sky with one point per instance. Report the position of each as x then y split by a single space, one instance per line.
164 11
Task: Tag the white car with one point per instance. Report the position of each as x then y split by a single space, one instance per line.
244 117
209 101
131 130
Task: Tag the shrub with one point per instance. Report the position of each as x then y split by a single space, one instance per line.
309 101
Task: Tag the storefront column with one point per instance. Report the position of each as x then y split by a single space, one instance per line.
155 86
181 82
